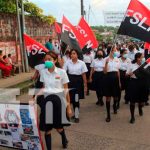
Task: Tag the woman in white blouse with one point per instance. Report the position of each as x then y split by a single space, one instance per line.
97 76
76 70
112 81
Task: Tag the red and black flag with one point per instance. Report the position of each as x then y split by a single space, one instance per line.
87 34
136 22
58 29
143 70
70 35
35 51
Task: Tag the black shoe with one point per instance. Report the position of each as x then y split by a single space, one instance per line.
141 112
76 120
108 119
146 104
132 121
98 103
101 103
115 109
118 106
65 145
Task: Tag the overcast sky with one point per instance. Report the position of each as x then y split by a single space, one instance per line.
71 8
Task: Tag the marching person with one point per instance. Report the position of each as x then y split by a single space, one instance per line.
76 70
88 58
97 76
125 62
132 52
55 81
137 88
112 81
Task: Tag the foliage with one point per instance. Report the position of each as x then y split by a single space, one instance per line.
9 6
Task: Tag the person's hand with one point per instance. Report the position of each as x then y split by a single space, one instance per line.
90 80
85 88
32 101
107 60
120 85
69 111
130 74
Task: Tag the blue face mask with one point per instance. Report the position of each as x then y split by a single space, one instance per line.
125 56
143 60
49 64
115 54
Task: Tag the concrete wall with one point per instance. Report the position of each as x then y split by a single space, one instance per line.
9 41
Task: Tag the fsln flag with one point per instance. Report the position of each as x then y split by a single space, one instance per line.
70 35
136 22
147 46
143 70
57 28
87 34
35 51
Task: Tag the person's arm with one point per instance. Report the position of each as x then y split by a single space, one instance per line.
69 110
35 76
2 61
91 74
85 81
106 66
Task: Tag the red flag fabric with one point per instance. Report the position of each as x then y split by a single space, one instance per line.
136 22
70 35
35 51
87 34
57 28
147 46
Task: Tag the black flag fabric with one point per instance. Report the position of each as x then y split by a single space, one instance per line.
144 70
136 22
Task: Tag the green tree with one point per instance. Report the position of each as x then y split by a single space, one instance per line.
9 6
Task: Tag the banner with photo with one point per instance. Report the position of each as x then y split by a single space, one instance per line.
18 127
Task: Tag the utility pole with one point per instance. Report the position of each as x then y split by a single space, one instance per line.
23 31
20 36
89 14
82 8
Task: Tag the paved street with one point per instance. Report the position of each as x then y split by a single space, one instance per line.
93 133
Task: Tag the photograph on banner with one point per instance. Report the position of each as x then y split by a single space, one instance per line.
18 127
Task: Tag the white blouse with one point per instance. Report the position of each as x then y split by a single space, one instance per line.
98 65
77 68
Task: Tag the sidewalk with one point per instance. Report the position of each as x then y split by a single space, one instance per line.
14 80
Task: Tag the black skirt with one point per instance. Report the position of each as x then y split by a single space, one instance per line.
45 116
89 70
111 85
97 81
137 90
76 86
123 80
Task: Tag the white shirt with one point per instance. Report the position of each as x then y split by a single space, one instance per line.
87 58
10 61
98 64
66 58
124 65
40 67
132 68
113 65
53 82
75 69
131 55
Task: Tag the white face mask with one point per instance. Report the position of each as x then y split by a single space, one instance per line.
118 53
